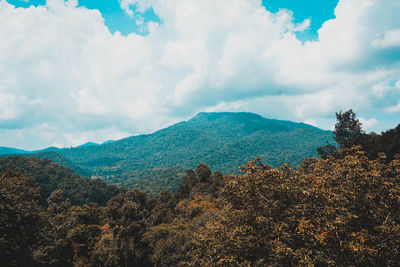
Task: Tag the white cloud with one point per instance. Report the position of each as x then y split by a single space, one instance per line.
285 17
368 124
140 6
394 109
61 67
390 39
311 122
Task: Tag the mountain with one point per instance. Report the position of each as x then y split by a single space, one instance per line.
49 149
9 150
223 141
16 151
88 144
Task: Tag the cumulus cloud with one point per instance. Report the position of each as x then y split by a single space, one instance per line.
61 67
368 124
390 39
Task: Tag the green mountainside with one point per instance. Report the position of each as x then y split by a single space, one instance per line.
9 150
223 141
51 176
340 210
15 151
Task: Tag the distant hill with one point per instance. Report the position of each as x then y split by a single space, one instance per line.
107 142
16 151
49 149
10 150
88 144
50 176
223 141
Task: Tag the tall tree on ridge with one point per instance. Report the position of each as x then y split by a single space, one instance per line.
348 130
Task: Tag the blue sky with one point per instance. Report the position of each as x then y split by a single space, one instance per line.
316 10
117 19
78 71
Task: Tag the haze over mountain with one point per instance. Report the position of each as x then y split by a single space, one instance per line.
223 141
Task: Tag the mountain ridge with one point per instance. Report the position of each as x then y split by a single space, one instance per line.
222 140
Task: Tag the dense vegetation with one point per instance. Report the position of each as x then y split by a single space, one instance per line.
348 132
223 141
16 151
50 176
10 151
335 211
340 210
153 181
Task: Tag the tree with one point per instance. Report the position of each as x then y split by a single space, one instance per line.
203 172
329 212
20 219
348 130
390 142
188 181
328 150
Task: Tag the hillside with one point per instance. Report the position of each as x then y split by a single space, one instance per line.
50 176
9 150
15 151
223 141
341 211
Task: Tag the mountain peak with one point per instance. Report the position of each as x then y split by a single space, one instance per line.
216 115
222 140
88 144
243 121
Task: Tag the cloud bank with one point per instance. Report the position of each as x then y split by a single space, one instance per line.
65 79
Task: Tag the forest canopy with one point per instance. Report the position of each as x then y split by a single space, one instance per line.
339 210
333 211
348 132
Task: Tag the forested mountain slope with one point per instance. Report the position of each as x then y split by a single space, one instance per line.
51 176
342 211
9 150
223 141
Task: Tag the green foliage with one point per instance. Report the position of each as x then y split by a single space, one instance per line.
154 163
20 219
50 176
152 181
327 213
387 142
11 151
335 211
327 150
188 182
172 243
348 131
203 172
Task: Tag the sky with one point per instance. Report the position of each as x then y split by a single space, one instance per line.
78 71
